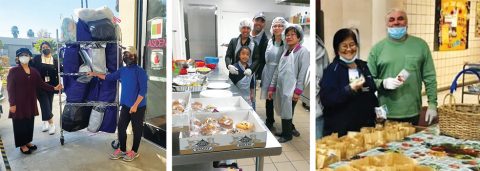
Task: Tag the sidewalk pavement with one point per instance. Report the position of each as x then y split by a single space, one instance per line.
83 150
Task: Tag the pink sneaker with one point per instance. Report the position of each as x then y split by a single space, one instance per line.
117 154
130 155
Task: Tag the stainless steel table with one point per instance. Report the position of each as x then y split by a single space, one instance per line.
204 161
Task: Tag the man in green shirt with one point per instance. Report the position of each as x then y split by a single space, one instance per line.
388 61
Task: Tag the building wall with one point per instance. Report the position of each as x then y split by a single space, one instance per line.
344 14
128 14
421 15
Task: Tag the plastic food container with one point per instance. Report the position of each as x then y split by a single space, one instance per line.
211 60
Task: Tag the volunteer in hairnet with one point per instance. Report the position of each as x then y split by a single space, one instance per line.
273 53
288 79
242 40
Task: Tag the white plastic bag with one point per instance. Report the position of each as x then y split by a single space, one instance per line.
96 118
99 63
88 15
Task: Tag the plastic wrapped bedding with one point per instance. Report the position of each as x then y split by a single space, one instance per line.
88 15
68 30
75 118
83 31
102 30
109 123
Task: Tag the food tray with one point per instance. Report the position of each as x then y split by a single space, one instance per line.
222 142
182 119
223 104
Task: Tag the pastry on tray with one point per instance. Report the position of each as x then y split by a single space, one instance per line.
244 127
226 122
196 122
209 120
197 106
209 129
178 108
211 107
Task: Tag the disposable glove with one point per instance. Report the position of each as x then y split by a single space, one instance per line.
391 83
233 70
430 115
248 72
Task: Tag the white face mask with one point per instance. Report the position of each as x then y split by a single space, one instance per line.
24 59
349 61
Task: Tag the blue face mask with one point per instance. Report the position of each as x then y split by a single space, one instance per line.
397 32
349 61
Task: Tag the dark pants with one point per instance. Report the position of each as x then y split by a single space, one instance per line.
137 119
287 129
412 120
294 103
22 131
45 99
269 109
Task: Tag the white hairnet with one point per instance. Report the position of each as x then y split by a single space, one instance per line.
296 27
245 23
278 20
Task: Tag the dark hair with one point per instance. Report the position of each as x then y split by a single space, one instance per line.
45 43
342 35
273 40
297 32
242 48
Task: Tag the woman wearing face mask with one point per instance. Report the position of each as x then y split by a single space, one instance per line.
288 80
22 85
46 64
132 101
273 53
347 88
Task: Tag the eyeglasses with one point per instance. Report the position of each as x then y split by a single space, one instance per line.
346 46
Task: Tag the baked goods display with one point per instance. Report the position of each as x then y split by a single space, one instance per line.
178 106
244 126
388 161
222 125
331 149
199 107
226 122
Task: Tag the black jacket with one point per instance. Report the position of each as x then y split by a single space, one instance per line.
231 56
262 48
46 70
346 110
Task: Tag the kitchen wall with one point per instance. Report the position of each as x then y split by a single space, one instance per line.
369 17
248 8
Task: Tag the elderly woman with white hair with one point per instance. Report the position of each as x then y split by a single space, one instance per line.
288 80
243 39
273 53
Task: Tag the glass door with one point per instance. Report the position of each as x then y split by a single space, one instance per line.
153 42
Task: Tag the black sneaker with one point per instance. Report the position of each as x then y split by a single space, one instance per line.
295 133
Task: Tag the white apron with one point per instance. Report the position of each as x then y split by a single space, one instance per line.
244 87
286 83
272 56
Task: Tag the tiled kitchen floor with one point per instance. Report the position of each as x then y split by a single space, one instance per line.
295 153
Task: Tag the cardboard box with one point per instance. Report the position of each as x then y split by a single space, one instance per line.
224 104
222 142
